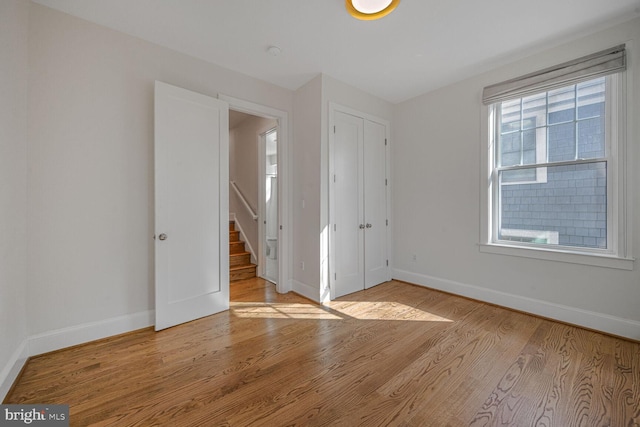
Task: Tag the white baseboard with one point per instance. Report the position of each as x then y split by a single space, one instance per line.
74 335
588 319
13 367
305 290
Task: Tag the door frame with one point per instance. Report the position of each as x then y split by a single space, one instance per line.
284 236
333 108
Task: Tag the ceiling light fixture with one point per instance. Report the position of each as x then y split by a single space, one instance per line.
368 10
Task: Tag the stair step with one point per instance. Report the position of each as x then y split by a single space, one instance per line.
242 258
242 272
240 266
236 247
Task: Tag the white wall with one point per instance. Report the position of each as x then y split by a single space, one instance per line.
305 203
90 181
13 188
244 168
437 143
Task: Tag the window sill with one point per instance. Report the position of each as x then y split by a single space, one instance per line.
596 260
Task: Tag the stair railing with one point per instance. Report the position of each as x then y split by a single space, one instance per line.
244 200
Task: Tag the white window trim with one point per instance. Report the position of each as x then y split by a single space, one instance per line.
621 233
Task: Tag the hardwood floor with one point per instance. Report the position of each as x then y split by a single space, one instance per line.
395 354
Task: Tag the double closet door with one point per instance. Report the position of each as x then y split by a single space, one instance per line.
358 204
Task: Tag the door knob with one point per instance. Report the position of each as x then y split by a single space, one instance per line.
369 225
162 236
361 226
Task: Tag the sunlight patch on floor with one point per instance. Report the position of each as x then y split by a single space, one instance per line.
384 310
281 311
335 310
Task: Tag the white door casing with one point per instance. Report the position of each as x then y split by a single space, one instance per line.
191 205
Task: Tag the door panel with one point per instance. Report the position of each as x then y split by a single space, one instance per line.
375 204
348 209
191 205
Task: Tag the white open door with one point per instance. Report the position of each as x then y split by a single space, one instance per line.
191 205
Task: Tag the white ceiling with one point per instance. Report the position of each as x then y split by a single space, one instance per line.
422 45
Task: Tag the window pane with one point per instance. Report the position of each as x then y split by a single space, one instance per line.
562 142
529 147
591 98
591 138
568 209
510 149
510 116
534 111
562 105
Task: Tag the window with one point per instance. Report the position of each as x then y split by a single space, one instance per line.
555 169
551 167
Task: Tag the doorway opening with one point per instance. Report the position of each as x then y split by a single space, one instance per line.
258 174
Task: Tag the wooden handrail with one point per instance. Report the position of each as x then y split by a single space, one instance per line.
244 201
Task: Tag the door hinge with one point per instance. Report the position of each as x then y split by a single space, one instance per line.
280 227
385 181
335 276
385 141
334 129
334 177
387 222
334 227
387 263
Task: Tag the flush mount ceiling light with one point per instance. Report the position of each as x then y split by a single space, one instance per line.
369 10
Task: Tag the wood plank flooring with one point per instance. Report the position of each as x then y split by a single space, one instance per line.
396 355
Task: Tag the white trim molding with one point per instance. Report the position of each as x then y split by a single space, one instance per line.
595 260
87 332
305 290
587 319
12 369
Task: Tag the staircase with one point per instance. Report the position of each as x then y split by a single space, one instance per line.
240 266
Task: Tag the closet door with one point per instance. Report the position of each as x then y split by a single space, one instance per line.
348 216
358 204
375 204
